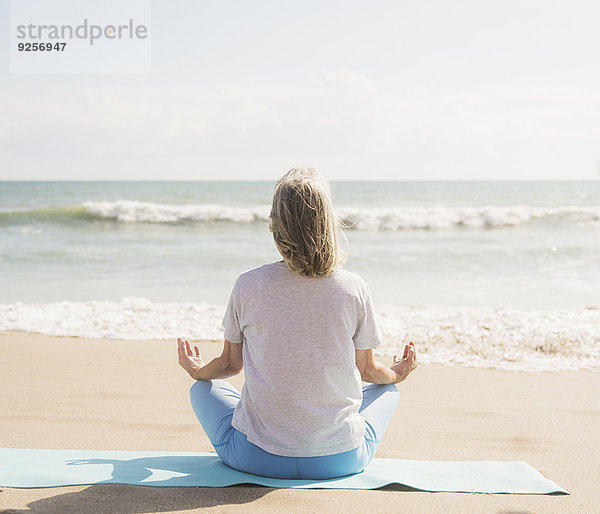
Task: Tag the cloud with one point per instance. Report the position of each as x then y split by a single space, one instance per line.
338 114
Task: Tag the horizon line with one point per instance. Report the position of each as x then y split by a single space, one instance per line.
274 180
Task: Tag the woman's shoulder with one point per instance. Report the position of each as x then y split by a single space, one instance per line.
260 272
351 279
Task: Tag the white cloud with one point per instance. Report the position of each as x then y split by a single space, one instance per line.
339 115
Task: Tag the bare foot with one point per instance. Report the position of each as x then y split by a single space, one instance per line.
403 367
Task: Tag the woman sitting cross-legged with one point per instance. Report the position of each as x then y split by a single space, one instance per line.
304 330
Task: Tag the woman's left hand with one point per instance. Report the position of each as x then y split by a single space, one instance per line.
189 360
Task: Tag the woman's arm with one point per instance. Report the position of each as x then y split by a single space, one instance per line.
229 363
373 371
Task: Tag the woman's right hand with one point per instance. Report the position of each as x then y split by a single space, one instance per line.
403 367
189 359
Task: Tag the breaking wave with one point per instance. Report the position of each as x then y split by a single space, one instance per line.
484 337
356 218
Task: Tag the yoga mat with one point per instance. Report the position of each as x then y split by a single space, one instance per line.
29 468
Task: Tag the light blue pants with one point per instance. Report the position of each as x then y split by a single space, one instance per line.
214 402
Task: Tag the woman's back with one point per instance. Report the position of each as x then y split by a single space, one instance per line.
303 390
303 329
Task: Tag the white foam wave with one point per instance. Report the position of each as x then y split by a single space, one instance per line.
480 337
370 219
488 216
527 340
149 212
129 318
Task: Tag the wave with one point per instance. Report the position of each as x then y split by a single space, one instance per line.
147 212
355 218
504 338
440 218
132 211
469 336
129 318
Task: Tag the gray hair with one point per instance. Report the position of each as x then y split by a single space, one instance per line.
304 225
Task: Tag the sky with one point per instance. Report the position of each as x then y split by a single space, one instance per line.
377 90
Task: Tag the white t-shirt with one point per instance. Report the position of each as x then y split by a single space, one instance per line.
303 389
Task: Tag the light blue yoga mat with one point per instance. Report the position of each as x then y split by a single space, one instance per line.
52 468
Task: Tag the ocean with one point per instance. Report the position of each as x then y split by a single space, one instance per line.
486 274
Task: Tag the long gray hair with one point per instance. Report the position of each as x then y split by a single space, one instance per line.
304 225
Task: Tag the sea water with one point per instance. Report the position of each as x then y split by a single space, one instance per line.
489 274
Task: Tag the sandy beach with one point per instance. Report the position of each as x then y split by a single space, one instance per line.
62 392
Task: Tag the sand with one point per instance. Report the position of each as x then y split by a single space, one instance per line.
62 392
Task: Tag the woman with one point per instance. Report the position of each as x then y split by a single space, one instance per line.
304 330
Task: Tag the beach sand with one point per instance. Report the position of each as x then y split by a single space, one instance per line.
62 392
